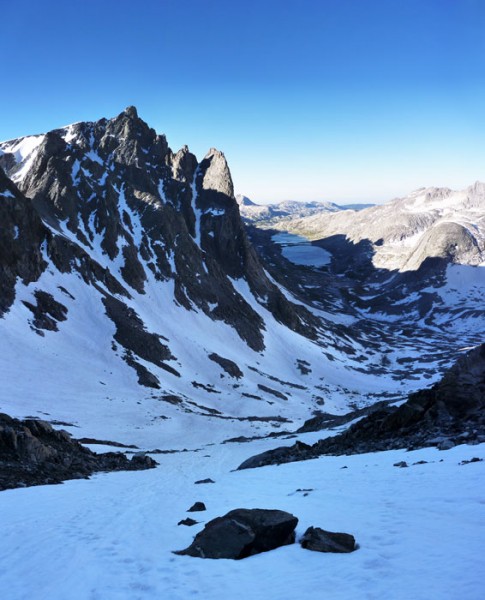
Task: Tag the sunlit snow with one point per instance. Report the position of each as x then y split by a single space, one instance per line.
420 529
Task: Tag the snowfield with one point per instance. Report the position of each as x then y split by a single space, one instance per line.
420 529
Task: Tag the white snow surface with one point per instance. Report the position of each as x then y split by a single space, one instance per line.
24 151
420 530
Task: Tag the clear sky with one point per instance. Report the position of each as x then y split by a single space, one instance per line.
342 100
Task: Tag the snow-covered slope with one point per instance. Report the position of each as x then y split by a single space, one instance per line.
420 529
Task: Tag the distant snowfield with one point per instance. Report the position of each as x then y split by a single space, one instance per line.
420 529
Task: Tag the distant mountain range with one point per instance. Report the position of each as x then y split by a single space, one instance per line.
288 209
430 222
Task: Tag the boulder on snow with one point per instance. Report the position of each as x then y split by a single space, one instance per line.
320 540
143 461
188 522
243 532
197 507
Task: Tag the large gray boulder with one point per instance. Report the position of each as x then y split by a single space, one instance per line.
243 532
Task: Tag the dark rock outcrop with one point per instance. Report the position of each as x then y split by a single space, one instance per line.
451 411
229 366
299 451
197 507
47 311
320 540
328 421
243 532
33 453
188 522
22 235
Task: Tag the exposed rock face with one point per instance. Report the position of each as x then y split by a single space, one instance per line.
110 200
33 453
22 235
299 451
327 420
216 176
451 241
320 540
452 411
229 366
47 311
243 532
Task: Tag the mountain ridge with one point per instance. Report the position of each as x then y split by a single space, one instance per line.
133 260
132 291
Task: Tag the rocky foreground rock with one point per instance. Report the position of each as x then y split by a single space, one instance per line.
243 532
448 413
34 453
320 540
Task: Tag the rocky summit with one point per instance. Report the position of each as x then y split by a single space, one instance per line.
113 193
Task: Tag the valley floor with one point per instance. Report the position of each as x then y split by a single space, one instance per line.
420 529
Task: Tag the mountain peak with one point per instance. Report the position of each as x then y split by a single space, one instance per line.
131 112
217 176
244 200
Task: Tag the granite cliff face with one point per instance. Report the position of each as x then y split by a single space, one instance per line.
113 193
22 235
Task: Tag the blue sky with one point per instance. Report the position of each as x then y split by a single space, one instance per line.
342 100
